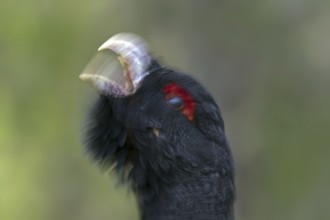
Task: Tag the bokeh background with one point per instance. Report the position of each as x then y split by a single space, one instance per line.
267 62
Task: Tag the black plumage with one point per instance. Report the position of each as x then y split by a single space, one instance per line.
167 140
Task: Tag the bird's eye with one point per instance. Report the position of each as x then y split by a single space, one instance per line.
175 102
180 99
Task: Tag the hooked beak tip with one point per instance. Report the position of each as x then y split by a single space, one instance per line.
84 77
105 45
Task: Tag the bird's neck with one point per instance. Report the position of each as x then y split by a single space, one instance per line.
192 198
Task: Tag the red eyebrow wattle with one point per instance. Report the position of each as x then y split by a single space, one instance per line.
188 110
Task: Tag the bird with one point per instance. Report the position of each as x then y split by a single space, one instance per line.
163 134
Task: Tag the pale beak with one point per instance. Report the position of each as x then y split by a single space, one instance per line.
133 55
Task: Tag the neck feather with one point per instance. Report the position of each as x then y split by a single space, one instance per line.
195 198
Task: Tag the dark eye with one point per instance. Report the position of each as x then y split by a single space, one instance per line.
175 102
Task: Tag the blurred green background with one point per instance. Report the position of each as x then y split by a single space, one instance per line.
267 62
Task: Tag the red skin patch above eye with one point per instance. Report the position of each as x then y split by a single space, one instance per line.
188 110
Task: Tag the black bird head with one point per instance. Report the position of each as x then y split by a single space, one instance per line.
163 132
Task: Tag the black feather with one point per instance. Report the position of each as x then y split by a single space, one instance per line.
185 171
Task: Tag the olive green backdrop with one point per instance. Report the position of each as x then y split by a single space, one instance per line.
267 62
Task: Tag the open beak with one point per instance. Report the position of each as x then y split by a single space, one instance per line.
133 55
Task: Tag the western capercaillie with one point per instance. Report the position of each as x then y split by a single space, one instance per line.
163 133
